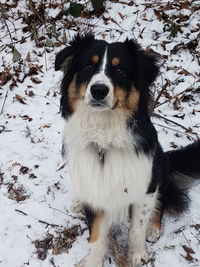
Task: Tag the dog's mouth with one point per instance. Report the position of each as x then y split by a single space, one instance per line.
99 104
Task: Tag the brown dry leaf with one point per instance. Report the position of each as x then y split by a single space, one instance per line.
29 93
35 80
26 117
188 249
158 14
63 242
121 16
13 84
23 170
196 226
46 126
186 98
17 193
189 257
4 77
16 164
28 57
32 176
20 99
184 72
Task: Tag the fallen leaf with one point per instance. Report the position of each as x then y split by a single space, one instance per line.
35 80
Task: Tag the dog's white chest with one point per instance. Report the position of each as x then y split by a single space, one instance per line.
120 178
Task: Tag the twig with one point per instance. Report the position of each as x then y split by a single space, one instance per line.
186 240
167 127
4 101
40 221
4 18
22 212
73 217
48 224
164 118
154 104
174 97
178 124
49 100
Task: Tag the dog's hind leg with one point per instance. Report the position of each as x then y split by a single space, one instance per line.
137 234
155 224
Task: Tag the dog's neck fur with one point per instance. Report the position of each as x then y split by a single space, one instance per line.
105 129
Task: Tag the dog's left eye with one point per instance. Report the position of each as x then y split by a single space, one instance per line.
88 67
120 72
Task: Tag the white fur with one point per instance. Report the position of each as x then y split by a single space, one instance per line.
97 248
101 78
137 235
125 176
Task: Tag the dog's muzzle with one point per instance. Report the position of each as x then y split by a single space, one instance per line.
99 93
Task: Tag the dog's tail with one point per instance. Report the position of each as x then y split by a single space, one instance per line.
182 169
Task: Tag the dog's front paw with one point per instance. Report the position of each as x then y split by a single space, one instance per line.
137 258
90 262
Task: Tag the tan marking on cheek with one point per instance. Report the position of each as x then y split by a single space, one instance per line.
115 61
95 231
127 100
95 59
133 100
76 94
120 96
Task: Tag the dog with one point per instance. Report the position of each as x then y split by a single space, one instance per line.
111 146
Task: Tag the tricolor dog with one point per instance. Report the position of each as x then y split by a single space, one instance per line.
112 150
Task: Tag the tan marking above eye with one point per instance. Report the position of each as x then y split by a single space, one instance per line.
115 61
95 59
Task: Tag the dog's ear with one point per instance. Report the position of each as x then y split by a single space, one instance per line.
147 69
146 66
63 56
79 42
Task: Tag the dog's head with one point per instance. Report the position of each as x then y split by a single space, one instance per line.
105 76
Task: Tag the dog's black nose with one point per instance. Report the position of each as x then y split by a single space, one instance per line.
99 91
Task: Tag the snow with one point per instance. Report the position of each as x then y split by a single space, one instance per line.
31 133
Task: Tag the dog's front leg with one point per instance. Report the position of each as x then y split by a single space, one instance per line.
99 227
137 234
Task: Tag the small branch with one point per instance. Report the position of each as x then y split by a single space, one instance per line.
154 104
73 217
22 212
178 124
48 224
38 220
5 21
171 121
167 127
4 101
174 97
49 100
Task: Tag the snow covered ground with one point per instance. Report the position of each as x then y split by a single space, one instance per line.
37 224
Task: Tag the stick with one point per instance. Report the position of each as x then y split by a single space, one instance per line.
40 221
154 104
162 117
4 101
167 127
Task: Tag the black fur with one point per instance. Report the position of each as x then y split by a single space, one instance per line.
138 69
90 216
